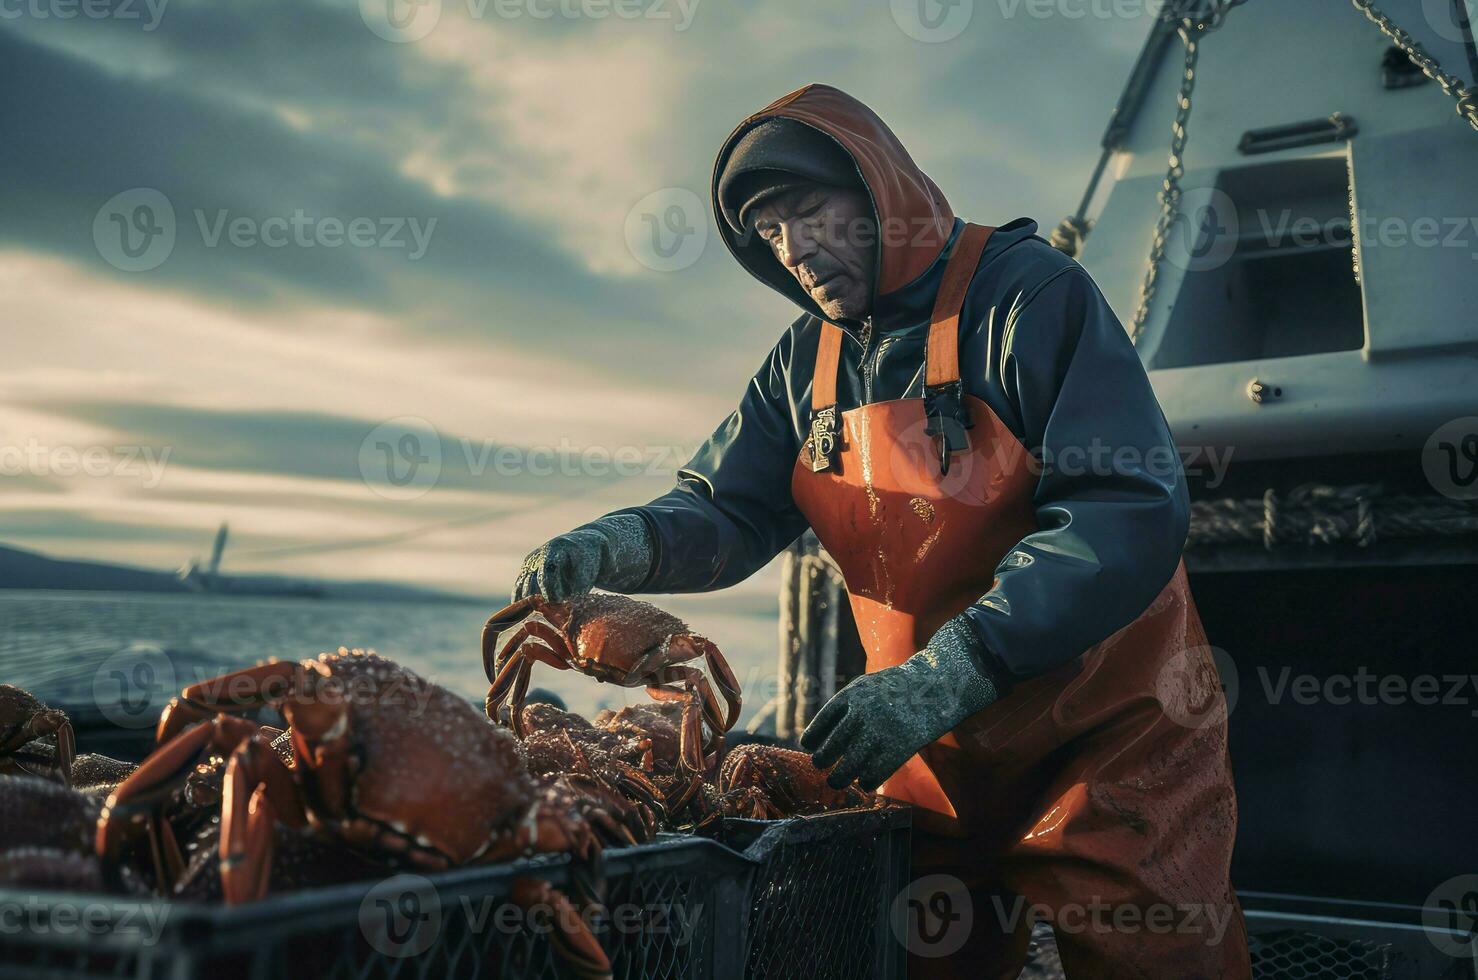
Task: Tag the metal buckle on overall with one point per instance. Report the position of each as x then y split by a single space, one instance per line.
946 420
823 438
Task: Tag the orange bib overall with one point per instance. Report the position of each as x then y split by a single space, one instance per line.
1076 797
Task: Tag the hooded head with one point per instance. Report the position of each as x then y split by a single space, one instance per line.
820 137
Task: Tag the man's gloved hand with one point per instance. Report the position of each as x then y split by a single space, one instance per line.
613 553
875 724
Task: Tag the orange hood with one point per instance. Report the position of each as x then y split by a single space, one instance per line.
914 216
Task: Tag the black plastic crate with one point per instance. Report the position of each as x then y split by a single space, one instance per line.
823 894
673 905
803 897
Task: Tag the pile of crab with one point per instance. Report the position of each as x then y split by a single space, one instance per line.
379 769
669 757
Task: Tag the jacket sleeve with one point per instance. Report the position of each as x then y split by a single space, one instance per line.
1111 503
731 510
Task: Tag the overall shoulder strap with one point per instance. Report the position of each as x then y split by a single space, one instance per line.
828 360
947 418
943 359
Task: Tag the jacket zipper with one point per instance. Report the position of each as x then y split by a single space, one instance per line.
863 367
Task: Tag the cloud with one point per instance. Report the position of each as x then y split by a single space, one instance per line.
527 324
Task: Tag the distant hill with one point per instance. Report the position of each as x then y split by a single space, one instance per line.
20 569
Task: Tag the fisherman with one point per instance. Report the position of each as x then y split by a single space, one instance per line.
966 426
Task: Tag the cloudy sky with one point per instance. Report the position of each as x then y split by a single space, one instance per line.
437 280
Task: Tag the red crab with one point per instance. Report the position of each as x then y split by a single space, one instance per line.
48 838
657 732
564 746
34 739
768 783
617 640
383 762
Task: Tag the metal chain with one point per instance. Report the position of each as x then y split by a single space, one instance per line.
1467 100
1192 27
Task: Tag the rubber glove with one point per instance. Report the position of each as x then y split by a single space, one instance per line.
875 724
613 553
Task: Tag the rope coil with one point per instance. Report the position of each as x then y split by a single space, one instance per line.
1318 514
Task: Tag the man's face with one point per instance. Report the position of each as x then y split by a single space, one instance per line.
825 237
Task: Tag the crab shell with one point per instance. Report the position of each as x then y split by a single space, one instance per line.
390 762
612 635
39 813
788 779
656 724
34 739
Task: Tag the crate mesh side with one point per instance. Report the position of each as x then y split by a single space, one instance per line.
814 909
675 940
1295 955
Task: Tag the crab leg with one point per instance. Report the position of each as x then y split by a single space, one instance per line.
728 684
47 722
259 791
692 679
533 641
573 940
690 742
240 690
141 796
